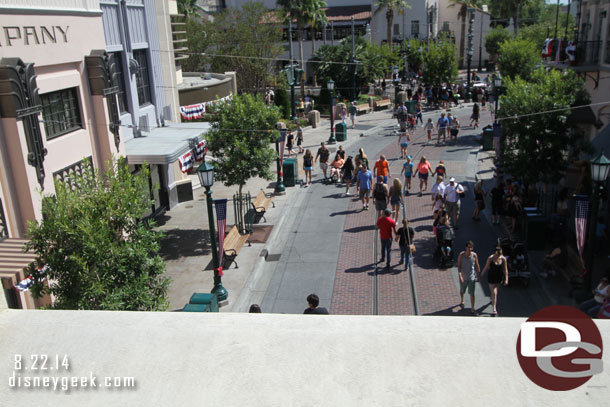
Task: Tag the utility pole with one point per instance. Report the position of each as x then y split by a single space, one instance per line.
293 110
324 33
481 44
353 62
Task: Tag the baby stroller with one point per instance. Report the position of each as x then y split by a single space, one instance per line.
517 260
444 247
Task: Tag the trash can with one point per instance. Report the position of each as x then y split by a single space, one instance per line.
340 131
291 172
211 300
411 105
488 139
196 308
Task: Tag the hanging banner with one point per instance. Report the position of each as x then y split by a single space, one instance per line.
196 111
186 162
26 283
581 216
200 150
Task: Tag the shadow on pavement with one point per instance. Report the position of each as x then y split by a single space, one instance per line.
361 269
344 213
184 243
360 229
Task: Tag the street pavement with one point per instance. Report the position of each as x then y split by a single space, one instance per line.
322 242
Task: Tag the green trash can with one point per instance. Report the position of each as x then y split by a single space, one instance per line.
488 139
290 170
411 105
205 299
341 131
196 308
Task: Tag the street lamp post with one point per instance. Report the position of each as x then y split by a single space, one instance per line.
279 184
396 86
497 90
206 177
331 86
600 167
497 84
470 51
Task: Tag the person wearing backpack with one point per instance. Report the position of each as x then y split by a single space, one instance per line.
405 242
402 114
381 195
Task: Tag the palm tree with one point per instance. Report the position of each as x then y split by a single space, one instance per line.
389 5
464 6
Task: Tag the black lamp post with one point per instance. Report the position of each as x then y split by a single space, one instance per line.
396 86
470 51
600 167
206 177
279 184
331 86
497 90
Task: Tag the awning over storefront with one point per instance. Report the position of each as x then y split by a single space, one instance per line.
164 145
582 115
13 260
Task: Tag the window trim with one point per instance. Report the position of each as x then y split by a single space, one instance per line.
79 125
146 78
118 57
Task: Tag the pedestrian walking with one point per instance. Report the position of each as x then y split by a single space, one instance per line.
498 273
402 114
429 127
382 170
365 179
452 195
468 272
341 152
403 141
386 226
381 196
308 166
419 113
395 197
343 113
352 113
423 169
441 127
438 187
405 243
497 200
407 169
454 129
312 306
360 160
290 143
300 138
474 117
324 155
348 171
479 200
440 169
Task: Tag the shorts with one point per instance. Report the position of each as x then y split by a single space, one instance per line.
347 177
404 145
441 131
364 193
323 166
454 132
382 177
423 176
408 176
381 205
352 116
299 142
452 208
395 200
467 285
308 168
496 208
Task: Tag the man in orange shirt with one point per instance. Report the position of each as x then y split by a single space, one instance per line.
382 170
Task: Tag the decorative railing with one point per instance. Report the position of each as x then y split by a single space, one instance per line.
71 173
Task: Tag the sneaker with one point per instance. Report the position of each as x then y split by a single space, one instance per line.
366 208
348 194
420 194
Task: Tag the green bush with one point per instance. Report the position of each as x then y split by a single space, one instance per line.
282 100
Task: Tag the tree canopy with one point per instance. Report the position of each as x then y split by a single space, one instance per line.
389 6
493 40
518 57
539 142
240 137
440 63
237 40
99 254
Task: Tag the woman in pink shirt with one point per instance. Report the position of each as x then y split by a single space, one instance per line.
423 168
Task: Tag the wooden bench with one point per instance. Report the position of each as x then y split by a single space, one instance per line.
233 243
363 108
261 204
382 103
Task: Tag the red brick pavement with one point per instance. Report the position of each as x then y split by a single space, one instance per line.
353 288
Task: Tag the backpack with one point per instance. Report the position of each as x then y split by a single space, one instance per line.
379 192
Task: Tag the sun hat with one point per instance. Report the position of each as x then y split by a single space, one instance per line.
451 179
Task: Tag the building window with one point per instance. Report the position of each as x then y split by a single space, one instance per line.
415 28
396 29
445 26
60 112
118 63
142 78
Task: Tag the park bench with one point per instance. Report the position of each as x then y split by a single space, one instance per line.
261 204
233 243
363 108
382 103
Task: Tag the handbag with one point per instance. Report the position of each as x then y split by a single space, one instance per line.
462 195
412 247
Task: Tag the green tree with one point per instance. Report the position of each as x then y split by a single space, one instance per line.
389 6
414 49
240 137
187 7
237 40
523 12
493 40
462 14
282 100
100 254
545 26
538 146
518 57
440 64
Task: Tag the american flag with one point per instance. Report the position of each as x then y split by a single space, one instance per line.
582 213
221 222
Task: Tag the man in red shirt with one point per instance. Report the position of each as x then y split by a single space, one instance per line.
382 170
386 225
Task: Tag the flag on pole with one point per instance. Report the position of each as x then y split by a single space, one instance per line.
581 215
221 223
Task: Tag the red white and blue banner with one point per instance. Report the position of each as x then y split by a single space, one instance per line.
196 111
26 283
186 162
581 216
200 150
221 223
